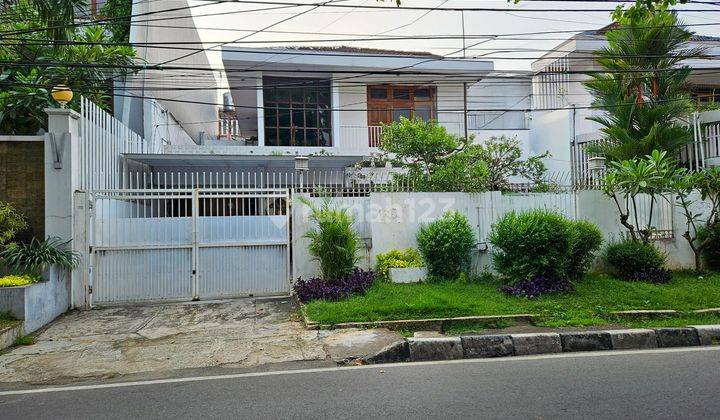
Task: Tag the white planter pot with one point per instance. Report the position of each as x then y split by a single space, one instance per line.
596 163
408 274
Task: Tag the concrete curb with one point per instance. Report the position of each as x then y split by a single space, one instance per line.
504 345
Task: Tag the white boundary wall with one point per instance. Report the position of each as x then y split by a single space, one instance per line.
388 221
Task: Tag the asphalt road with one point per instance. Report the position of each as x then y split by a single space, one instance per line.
680 383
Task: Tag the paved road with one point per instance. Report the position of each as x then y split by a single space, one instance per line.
650 384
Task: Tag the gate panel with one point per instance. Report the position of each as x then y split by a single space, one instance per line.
188 243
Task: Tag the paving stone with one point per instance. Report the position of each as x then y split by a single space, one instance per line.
537 343
677 337
481 346
633 339
709 335
425 349
586 341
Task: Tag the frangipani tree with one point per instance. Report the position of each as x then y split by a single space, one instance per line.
690 189
626 181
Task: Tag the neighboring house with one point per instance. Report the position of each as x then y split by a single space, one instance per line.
560 101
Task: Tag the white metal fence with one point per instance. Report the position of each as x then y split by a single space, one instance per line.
103 140
186 242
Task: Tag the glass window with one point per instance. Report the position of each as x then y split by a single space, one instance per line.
423 112
401 93
401 112
378 93
423 93
294 110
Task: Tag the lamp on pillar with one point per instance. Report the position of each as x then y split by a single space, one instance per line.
62 94
302 165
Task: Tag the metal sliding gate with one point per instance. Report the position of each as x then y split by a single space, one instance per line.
192 243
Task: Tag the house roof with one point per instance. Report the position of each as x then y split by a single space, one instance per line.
327 60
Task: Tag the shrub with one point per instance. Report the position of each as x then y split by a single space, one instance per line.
37 255
14 280
585 240
396 259
530 245
332 241
317 288
711 253
11 223
635 260
538 286
445 245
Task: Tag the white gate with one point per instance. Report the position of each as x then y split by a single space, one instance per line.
188 243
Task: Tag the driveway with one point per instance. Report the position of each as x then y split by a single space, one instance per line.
110 342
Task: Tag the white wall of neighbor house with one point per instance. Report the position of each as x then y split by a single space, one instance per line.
552 131
390 221
195 109
450 105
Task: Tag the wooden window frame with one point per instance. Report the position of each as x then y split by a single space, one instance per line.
381 110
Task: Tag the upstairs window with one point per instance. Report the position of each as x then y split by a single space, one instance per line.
297 112
388 103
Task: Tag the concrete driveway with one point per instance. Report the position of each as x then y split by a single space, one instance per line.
241 333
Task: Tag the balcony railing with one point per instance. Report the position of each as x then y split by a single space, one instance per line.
361 136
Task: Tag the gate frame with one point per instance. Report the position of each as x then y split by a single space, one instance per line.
195 194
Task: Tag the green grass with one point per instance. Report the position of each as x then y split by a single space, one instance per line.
591 303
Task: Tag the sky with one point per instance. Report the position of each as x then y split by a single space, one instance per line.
513 50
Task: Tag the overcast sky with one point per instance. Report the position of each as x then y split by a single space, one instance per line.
227 22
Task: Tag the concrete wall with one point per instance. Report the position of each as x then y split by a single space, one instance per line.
38 304
22 180
392 220
552 131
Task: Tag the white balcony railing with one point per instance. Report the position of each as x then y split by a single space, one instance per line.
359 136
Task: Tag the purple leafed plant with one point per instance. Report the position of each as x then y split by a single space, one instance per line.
316 288
537 287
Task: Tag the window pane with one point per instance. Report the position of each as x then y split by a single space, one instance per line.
297 93
269 94
311 95
423 112
299 136
270 117
423 93
284 137
401 93
311 137
271 137
325 138
284 117
325 119
298 117
283 94
378 93
324 95
311 118
401 112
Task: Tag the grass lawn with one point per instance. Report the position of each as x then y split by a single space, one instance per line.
591 303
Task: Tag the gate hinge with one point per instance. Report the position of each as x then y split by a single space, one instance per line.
90 289
194 272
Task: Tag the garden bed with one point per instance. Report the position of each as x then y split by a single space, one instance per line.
592 303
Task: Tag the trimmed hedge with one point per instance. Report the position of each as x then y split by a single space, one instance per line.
445 245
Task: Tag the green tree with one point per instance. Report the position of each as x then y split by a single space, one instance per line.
434 160
25 88
502 157
642 85
118 13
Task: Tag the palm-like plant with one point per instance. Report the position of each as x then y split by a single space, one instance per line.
332 240
642 90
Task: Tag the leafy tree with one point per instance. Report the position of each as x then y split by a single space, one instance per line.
700 228
434 159
502 157
118 13
627 180
26 88
642 88
11 223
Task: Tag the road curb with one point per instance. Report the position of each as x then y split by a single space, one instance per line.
506 345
